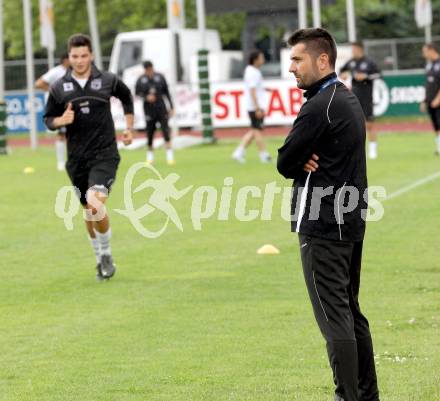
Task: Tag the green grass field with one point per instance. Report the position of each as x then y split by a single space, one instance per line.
198 315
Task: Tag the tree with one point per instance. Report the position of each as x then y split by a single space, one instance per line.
375 19
378 19
113 16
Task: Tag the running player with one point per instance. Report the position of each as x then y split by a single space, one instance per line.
80 101
255 103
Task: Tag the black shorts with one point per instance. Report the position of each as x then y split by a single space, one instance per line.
367 108
435 117
365 97
256 123
152 119
99 173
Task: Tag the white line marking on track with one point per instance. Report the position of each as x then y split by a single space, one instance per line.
414 185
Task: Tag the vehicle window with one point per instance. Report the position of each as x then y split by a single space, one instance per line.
130 55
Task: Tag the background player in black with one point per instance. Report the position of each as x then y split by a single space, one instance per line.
432 86
363 72
325 154
153 88
80 101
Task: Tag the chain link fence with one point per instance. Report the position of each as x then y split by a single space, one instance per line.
389 54
397 54
15 72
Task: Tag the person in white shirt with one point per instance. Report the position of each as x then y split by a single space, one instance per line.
255 97
44 83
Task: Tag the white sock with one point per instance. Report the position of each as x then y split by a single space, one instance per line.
150 155
96 248
372 149
60 150
170 155
104 241
437 141
240 151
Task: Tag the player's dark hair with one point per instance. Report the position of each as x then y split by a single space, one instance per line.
63 57
358 44
432 46
253 56
147 64
317 41
79 40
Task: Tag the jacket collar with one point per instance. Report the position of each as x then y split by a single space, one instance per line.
314 89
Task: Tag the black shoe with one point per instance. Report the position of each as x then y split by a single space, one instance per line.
108 269
99 276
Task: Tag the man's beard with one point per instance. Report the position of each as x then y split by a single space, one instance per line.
310 82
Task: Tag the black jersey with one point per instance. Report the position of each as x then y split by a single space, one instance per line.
331 125
92 131
432 84
362 89
157 86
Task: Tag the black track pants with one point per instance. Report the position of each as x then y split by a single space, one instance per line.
332 274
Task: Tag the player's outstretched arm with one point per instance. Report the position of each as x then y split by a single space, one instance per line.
345 68
40 83
167 93
374 71
436 101
121 91
127 136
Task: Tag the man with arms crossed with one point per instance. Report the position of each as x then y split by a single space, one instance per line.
80 101
432 86
255 104
44 83
325 154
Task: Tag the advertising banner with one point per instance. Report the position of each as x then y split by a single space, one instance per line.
394 95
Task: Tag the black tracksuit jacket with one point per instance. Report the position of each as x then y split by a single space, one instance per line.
330 124
362 89
92 131
157 85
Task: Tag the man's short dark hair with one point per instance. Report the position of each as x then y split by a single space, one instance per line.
79 40
253 55
147 64
317 41
432 46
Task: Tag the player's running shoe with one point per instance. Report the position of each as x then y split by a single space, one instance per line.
238 157
266 159
99 276
108 268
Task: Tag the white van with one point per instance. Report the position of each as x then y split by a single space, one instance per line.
169 51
